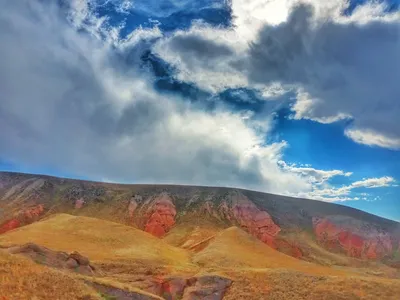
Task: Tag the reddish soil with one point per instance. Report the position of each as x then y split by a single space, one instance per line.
160 216
356 243
24 217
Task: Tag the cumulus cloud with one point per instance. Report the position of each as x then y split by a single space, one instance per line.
373 182
70 102
343 193
313 175
343 67
212 67
372 138
76 98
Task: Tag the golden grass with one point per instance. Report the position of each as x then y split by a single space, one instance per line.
289 285
234 249
187 235
129 259
98 239
21 279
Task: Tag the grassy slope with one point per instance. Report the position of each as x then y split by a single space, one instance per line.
273 284
97 239
21 278
235 249
258 271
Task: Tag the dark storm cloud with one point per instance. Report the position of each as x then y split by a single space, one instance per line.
280 53
199 47
346 69
353 69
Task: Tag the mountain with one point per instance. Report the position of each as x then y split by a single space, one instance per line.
189 242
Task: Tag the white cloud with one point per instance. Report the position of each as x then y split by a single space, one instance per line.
374 182
304 109
78 102
209 65
82 111
124 6
251 15
320 52
314 176
332 194
273 91
79 12
372 138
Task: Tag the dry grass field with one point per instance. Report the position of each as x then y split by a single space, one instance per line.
98 239
131 262
235 249
21 278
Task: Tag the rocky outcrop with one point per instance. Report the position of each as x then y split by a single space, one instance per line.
80 259
110 292
355 238
210 287
56 259
255 221
24 217
160 215
174 287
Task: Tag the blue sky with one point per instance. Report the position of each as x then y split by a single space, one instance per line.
192 92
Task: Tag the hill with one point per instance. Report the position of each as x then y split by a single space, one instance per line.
157 209
185 242
98 239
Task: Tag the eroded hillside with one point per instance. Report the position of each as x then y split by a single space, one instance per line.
181 241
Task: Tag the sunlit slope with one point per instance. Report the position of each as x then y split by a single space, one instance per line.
278 284
234 249
98 239
21 278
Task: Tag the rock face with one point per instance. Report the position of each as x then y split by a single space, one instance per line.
210 287
27 216
56 259
80 259
207 287
255 221
160 215
355 238
120 294
173 288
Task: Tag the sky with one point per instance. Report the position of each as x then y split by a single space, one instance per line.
292 97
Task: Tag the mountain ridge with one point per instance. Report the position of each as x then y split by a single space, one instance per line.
157 209
169 185
191 242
